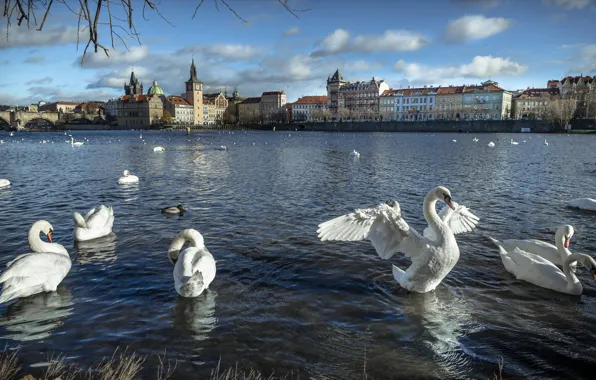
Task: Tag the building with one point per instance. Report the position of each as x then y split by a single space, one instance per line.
134 87
449 102
533 103
249 110
387 105
179 109
33 108
334 84
194 94
65 107
112 107
309 108
231 113
486 102
155 89
138 111
583 89
273 105
214 107
416 104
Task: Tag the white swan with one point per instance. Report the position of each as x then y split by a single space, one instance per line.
36 272
194 268
545 143
582 203
97 223
127 178
514 142
73 143
4 183
556 254
491 144
475 139
454 140
159 149
432 259
355 154
541 272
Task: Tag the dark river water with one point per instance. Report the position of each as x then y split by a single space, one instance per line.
282 300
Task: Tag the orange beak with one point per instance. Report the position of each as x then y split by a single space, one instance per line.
450 203
566 244
50 236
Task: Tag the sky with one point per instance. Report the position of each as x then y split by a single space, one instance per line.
517 43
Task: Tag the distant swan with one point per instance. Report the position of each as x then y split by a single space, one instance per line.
194 268
128 178
36 272
541 272
581 203
97 223
4 183
73 143
491 144
355 154
545 143
454 140
159 149
475 139
433 255
514 142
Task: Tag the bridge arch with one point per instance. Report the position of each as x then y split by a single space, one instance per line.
4 124
41 123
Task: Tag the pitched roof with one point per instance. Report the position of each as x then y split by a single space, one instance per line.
450 90
251 100
337 77
577 79
273 93
178 100
312 100
389 92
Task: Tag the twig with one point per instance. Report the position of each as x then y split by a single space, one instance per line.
197 8
45 15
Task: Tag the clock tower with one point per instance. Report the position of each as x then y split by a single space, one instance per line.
194 94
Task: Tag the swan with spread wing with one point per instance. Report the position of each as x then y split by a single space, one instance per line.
433 254
97 223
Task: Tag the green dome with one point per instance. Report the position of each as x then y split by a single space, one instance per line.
155 89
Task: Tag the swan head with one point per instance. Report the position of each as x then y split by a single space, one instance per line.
45 227
564 235
190 235
126 173
393 204
442 193
589 263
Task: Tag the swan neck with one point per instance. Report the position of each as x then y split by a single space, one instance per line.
571 278
431 216
38 245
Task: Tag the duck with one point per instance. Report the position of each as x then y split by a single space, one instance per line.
4 183
556 254
127 178
581 203
538 271
159 149
97 223
433 256
174 210
40 271
222 147
195 267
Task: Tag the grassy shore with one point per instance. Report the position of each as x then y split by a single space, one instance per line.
582 131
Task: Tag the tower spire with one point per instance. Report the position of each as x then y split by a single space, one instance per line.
193 71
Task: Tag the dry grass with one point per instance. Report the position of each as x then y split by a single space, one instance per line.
9 364
233 373
123 367
499 375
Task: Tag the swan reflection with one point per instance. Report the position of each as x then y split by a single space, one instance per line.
100 251
36 317
196 315
445 319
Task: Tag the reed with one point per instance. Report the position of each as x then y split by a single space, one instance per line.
9 364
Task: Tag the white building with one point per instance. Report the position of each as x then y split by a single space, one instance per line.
415 104
309 108
111 107
180 110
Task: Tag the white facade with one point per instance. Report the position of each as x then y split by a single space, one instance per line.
309 108
111 107
416 104
183 114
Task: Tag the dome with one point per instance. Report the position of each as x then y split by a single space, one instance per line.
155 89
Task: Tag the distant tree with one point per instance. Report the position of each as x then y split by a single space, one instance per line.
118 16
561 111
166 118
343 113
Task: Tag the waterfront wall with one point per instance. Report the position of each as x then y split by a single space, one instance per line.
479 126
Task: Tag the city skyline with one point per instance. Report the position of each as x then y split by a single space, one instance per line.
435 43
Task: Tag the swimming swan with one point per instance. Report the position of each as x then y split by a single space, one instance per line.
194 268
97 223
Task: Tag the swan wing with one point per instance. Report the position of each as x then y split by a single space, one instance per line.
205 264
382 225
99 218
460 220
530 267
33 273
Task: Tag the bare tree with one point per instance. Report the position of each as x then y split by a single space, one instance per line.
119 17
343 113
561 111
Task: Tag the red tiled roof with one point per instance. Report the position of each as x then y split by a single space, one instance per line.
177 100
450 90
312 100
389 92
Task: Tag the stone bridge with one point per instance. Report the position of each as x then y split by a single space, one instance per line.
19 119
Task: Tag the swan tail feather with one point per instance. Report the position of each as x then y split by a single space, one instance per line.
398 274
193 285
8 293
79 220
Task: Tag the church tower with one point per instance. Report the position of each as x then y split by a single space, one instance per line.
194 94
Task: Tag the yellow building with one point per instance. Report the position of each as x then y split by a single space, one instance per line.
140 111
449 102
194 94
214 107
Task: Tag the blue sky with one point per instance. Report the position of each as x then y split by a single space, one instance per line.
430 42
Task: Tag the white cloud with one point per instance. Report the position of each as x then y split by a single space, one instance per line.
480 67
292 31
571 4
133 56
475 27
23 36
391 40
399 65
230 52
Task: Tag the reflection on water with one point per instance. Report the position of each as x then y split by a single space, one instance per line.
101 251
196 315
36 317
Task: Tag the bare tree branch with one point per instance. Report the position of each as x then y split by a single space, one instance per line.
43 21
